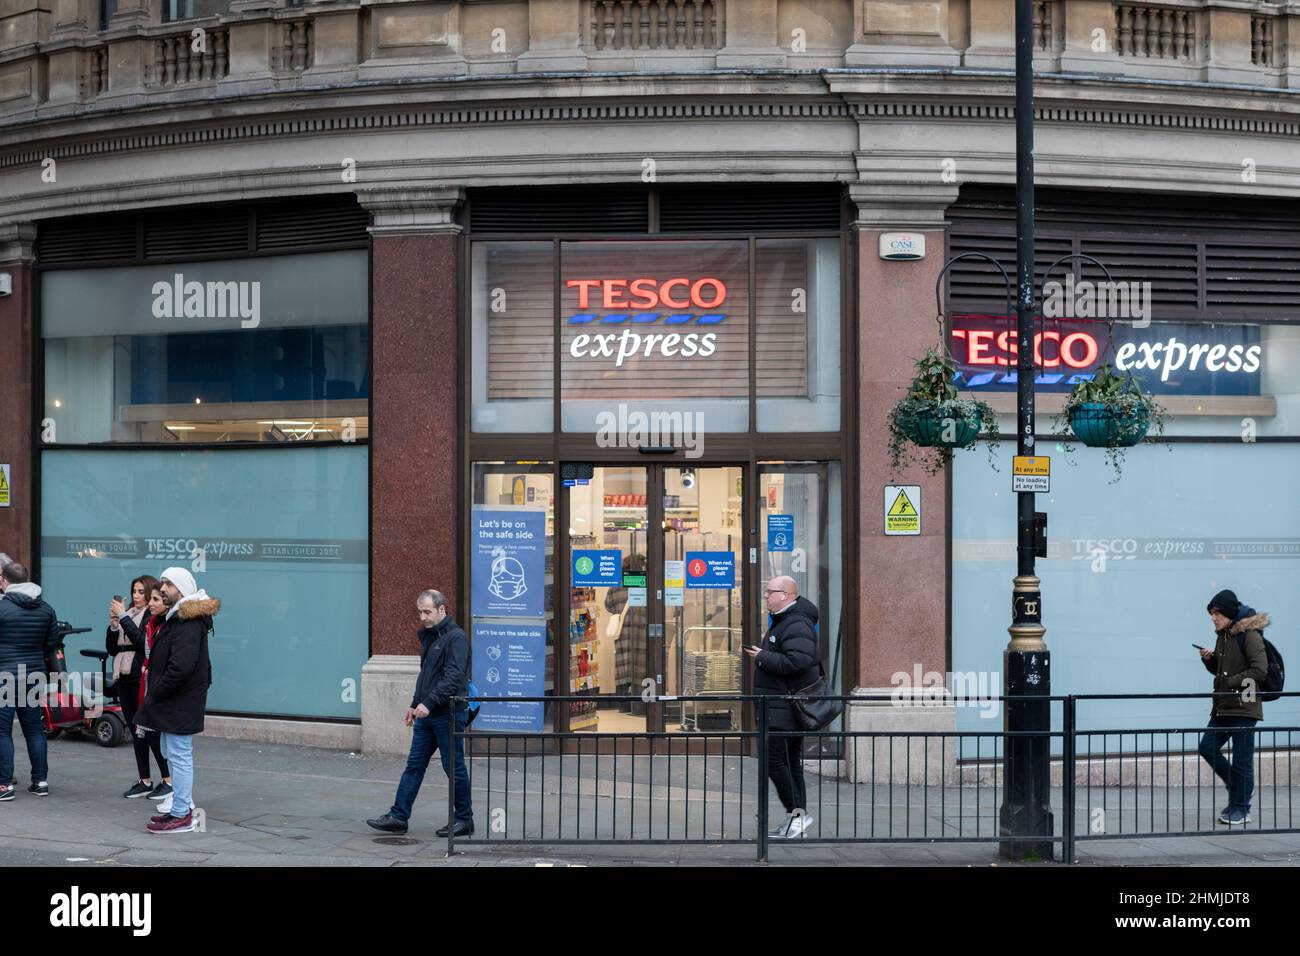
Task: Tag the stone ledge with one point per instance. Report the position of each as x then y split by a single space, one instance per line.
298 733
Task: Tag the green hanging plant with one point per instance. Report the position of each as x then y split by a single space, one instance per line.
931 420
1109 411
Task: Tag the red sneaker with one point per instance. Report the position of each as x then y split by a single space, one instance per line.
160 818
172 824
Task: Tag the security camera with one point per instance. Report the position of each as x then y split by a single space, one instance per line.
688 478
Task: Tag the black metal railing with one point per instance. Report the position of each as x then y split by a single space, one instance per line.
888 786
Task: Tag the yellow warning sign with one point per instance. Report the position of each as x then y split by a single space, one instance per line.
902 509
1031 465
4 486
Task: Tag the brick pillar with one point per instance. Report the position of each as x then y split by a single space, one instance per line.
414 498
903 586
17 331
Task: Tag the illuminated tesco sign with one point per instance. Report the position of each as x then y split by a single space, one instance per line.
1081 350
989 347
677 295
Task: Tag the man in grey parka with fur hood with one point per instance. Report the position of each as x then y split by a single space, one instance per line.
1239 664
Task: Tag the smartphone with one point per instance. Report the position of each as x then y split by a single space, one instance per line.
1198 647
117 597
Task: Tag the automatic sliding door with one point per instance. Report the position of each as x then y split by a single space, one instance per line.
609 523
704 613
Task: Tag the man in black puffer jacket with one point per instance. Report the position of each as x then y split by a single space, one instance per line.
786 662
28 633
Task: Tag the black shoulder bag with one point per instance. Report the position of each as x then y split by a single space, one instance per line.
810 713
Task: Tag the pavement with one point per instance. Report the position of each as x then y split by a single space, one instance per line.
274 805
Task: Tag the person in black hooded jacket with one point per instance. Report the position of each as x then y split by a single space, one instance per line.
28 634
786 662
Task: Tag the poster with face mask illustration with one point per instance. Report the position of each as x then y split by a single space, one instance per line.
509 562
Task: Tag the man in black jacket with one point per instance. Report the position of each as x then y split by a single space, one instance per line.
28 633
786 662
444 674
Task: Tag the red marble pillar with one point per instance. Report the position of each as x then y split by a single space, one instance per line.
903 586
17 332
413 439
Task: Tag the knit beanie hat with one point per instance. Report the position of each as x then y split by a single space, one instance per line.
1226 603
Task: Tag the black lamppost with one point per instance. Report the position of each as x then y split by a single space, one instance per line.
1026 810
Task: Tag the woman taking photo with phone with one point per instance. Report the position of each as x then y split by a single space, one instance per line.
126 641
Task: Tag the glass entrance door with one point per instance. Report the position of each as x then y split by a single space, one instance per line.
656 607
703 606
609 542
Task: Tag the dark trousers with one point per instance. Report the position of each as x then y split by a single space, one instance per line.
33 724
1238 776
785 769
429 734
129 694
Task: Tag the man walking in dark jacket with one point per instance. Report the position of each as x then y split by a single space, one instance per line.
28 633
444 674
176 697
786 662
1239 663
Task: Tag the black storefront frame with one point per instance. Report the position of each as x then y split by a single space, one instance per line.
743 449
37 399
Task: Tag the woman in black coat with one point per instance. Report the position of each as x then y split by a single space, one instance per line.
125 640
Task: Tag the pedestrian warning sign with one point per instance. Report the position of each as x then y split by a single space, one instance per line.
4 486
902 509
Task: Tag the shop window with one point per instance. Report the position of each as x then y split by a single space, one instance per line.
513 336
1129 570
797 335
273 349
654 327
279 536
512 592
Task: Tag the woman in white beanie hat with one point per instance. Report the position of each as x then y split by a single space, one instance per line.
176 698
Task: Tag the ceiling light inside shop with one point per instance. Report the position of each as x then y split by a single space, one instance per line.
58 404
179 428
285 422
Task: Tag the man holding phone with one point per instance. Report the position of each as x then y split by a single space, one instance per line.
1239 664
788 659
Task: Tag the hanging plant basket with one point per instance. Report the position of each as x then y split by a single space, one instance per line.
930 421
953 424
1100 426
1109 411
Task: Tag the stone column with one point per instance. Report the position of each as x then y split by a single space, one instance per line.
17 328
554 37
902 579
415 504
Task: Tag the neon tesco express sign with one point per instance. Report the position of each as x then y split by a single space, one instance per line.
644 301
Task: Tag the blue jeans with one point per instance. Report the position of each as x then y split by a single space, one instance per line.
429 734
33 725
1238 776
178 750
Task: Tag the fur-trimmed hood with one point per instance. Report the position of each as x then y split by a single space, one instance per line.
1253 622
190 608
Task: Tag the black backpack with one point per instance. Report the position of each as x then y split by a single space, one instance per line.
1271 688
